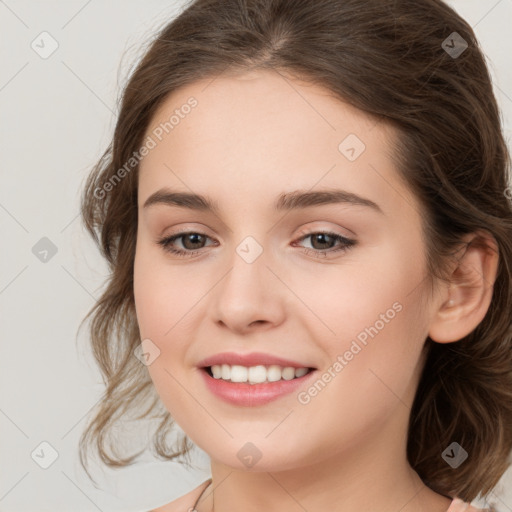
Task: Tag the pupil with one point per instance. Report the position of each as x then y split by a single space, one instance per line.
193 236
320 236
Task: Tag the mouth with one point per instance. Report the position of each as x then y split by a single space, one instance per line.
253 386
259 374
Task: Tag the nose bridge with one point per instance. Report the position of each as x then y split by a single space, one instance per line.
247 293
248 268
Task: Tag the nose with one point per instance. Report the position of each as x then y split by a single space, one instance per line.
249 296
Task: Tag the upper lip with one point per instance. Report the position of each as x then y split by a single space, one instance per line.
252 359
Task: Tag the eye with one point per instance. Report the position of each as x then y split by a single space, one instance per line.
319 240
192 243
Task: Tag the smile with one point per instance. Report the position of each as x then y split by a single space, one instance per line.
255 385
255 374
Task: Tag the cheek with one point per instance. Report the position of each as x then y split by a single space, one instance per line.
378 327
164 300
162 293
369 293
371 377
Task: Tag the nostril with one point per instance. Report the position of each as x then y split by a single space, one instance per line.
256 322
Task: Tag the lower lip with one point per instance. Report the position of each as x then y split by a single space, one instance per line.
248 395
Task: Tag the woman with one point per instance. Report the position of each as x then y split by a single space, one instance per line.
306 214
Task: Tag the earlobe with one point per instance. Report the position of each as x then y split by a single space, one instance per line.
466 300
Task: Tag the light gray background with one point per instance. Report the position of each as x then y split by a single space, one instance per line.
57 116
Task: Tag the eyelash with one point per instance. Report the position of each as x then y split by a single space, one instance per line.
347 243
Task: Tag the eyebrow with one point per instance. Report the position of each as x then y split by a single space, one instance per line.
298 199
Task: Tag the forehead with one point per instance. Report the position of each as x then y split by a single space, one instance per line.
260 133
257 106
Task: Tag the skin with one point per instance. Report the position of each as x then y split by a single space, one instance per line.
250 138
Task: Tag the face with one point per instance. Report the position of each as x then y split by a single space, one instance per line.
334 283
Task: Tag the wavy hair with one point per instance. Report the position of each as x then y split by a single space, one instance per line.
392 60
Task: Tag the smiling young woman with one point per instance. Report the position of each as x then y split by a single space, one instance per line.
312 236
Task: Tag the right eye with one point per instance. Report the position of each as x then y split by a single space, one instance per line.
189 238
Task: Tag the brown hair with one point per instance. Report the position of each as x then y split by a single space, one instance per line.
387 58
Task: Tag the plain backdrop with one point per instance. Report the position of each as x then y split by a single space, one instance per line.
57 116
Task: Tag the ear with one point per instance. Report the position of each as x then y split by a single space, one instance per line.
463 304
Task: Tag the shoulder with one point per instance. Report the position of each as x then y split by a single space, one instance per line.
458 505
185 502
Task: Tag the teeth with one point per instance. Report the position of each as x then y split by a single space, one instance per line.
300 372
256 374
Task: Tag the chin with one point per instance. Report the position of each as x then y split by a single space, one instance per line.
258 456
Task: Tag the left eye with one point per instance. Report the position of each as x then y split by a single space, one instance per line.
192 242
321 236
